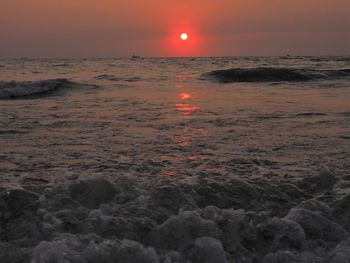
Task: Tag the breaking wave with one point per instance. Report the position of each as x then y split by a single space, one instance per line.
271 74
15 89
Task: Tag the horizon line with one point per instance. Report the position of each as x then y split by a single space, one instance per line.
169 57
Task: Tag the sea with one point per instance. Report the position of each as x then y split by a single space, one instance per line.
173 116
250 152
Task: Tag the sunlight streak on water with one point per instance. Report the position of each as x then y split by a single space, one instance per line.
186 109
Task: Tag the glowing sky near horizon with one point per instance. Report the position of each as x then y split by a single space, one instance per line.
105 28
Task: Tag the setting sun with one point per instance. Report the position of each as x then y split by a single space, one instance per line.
184 36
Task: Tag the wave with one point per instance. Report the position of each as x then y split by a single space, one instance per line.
271 74
310 114
14 89
114 78
108 77
62 65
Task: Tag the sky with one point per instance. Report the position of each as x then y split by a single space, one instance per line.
121 28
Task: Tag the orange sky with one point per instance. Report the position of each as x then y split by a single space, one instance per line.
105 28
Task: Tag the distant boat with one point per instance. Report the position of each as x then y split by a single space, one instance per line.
135 57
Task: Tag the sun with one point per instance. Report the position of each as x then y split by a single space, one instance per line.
184 36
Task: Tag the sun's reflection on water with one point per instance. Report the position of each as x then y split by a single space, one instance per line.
185 96
185 138
186 109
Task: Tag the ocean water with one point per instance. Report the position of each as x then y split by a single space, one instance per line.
177 133
165 116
